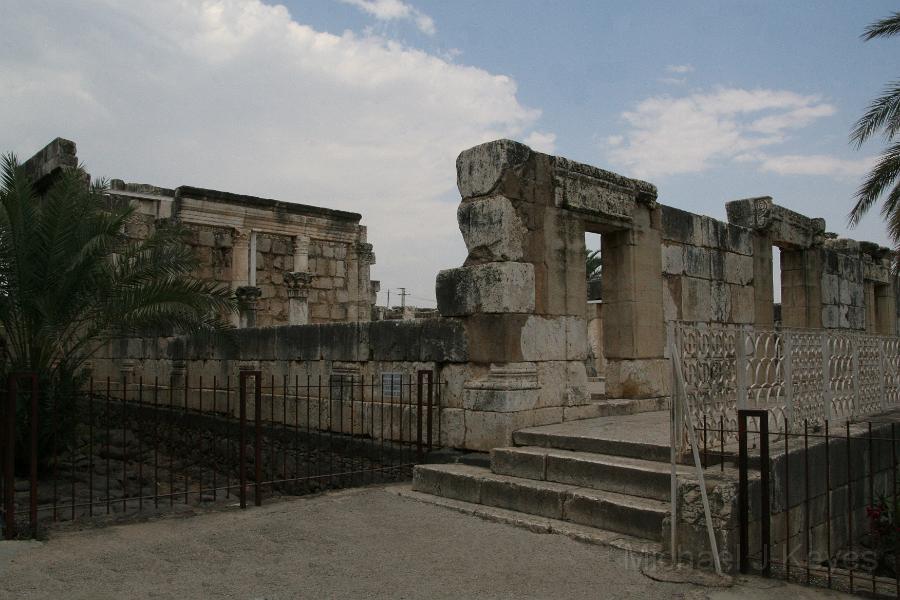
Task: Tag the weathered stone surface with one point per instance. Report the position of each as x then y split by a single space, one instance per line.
650 378
591 190
505 388
492 230
480 169
738 268
697 262
500 287
680 226
673 259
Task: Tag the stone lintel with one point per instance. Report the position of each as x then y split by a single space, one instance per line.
596 192
786 227
590 191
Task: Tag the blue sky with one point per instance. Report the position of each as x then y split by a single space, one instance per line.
363 104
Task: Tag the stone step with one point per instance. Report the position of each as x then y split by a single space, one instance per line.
631 515
632 476
642 435
610 407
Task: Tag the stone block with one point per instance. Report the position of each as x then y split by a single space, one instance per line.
519 462
680 226
715 233
742 299
831 316
696 300
673 259
442 340
487 430
672 299
720 301
740 240
480 169
453 427
643 378
545 499
697 262
492 230
504 287
738 268
544 338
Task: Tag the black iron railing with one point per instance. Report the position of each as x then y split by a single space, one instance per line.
125 447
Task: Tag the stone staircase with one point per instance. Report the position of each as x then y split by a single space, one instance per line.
591 472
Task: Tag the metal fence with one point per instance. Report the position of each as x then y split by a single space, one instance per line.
797 376
132 446
817 504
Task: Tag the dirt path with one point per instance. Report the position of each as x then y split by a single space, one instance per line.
364 543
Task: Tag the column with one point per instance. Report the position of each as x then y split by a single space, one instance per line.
298 297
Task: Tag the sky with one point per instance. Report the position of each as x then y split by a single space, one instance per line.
363 105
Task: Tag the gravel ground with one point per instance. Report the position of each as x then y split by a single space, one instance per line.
362 543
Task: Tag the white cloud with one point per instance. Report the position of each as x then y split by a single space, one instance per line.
679 69
389 10
236 95
816 164
542 141
669 135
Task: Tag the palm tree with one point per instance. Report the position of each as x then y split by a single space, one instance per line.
70 280
882 115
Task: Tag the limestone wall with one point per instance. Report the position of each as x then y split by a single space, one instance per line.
298 263
708 269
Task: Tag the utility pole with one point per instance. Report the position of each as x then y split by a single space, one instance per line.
403 295
389 298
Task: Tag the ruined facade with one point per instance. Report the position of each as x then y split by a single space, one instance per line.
512 337
293 263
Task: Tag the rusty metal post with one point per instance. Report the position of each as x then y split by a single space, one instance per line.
420 455
33 471
257 433
242 460
9 459
743 491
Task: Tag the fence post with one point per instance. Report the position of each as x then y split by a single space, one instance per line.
420 376
9 460
257 436
33 474
744 492
242 439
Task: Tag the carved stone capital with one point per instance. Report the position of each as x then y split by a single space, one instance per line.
248 294
297 283
240 237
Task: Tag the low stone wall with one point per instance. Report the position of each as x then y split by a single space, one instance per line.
838 491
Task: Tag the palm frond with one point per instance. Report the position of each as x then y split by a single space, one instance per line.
885 27
879 179
883 112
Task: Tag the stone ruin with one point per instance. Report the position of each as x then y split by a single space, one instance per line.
293 263
512 337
